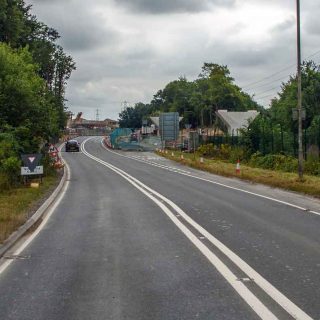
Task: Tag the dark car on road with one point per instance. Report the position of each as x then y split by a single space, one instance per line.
72 145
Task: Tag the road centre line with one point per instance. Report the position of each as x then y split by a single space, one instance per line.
243 291
221 184
147 161
246 294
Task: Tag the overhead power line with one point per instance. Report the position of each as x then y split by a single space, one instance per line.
268 77
264 97
314 54
270 82
260 93
278 72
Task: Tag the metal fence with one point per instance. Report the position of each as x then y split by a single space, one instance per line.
272 142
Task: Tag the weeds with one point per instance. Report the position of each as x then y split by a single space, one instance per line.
274 178
16 205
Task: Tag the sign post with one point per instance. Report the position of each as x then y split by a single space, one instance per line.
169 126
31 165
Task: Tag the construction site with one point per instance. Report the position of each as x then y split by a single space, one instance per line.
80 126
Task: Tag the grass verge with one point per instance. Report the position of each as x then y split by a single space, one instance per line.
18 204
285 180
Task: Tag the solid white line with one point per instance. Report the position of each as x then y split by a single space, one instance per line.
223 185
146 161
261 310
7 263
274 293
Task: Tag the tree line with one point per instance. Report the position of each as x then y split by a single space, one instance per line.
195 100
34 70
274 131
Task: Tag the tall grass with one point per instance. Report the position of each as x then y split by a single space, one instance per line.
17 204
275 178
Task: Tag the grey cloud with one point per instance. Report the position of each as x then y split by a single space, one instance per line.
113 66
249 57
312 23
85 36
286 25
79 27
172 6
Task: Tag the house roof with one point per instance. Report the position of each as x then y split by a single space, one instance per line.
236 120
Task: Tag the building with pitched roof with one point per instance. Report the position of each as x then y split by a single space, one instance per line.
233 121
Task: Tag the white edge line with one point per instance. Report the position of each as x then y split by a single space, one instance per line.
258 307
7 263
220 184
274 293
146 161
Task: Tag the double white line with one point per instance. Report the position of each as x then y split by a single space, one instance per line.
188 174
182 220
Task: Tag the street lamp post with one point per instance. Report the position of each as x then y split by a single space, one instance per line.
300 150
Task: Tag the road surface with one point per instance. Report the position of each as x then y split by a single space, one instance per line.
136 236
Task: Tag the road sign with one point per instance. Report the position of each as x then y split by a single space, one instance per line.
31 161
169 126
295 113
25 171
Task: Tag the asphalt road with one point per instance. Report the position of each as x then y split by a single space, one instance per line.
161 241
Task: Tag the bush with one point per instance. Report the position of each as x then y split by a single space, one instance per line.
237 153
312 166
10 168
206 150
48 168
274 162
224 152
4 182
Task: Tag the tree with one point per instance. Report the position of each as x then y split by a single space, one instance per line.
13 26
195 100
20 29
24 98
275 131
131 117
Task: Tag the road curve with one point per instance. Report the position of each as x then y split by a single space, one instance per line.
111 250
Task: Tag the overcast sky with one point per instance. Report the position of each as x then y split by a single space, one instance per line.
126 50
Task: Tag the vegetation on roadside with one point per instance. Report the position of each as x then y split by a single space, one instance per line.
34 71
17 204
278 162
270 141
275 178
195 100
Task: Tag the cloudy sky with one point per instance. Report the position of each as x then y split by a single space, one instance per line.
126 50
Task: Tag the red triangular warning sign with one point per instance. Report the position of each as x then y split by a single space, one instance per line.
31 159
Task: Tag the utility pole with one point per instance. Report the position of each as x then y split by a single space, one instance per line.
300 150
97 115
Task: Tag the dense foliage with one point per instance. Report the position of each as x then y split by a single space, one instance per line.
276 131
131 117
195 100
270 141
33 75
